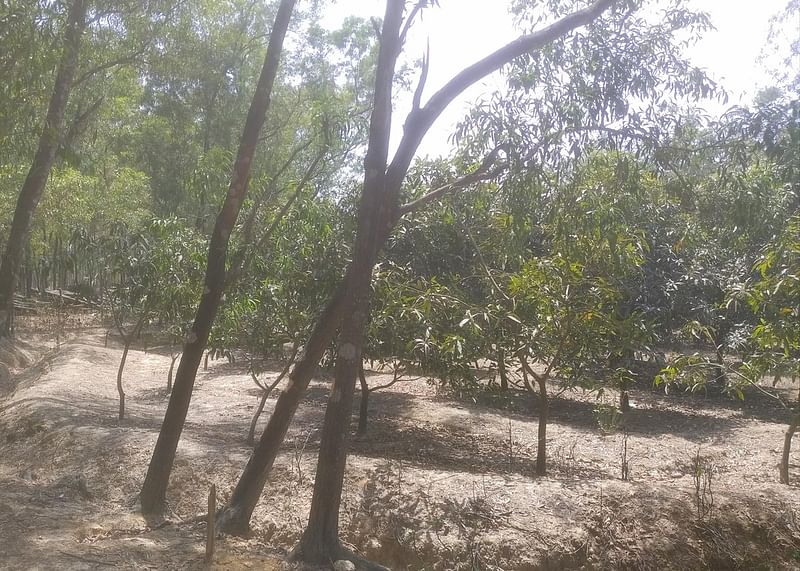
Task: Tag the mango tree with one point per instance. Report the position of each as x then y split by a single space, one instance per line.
775 297
159 277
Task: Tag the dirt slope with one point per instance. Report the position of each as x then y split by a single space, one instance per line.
436 484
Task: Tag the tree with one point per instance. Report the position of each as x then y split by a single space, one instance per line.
379 210
740 267
567 309
775 297
153 492
45 156
159 273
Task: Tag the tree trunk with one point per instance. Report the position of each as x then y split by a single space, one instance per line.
320 542
153 494
501 369
43 160
127 340
171 370
120 391
787 448
28 269
363 406
544 411
624 397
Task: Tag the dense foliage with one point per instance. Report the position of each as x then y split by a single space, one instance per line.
589 219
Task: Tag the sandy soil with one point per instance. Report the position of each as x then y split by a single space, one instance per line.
437 483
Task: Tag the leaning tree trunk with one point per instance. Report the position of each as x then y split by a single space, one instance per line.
43 160
320 542
153 494
235 518
787 448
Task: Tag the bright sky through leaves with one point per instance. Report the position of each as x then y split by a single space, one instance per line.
462 31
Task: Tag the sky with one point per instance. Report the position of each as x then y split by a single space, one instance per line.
462 31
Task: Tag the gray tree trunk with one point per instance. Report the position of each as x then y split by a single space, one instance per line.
36 180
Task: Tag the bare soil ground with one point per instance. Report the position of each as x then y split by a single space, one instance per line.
437 483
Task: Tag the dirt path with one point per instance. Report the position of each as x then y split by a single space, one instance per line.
436 483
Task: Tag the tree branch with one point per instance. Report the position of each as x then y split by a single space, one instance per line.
485 267
483 172
242 259
410 20
247 229
420 120
423 77
130 58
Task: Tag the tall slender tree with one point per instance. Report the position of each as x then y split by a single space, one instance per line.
153 494
36 180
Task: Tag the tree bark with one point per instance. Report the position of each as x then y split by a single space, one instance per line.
153 494
36 180
236 516
787 448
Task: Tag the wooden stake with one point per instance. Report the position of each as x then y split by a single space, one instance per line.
210 531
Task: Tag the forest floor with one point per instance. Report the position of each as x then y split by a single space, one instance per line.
437 483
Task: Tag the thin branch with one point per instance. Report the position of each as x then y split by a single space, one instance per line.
410 20
419 121
485 266
130 58
397 376
561 344
483 172
247 229
527 370
77 124
559 393
243 258
268 390
255 377
423 77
